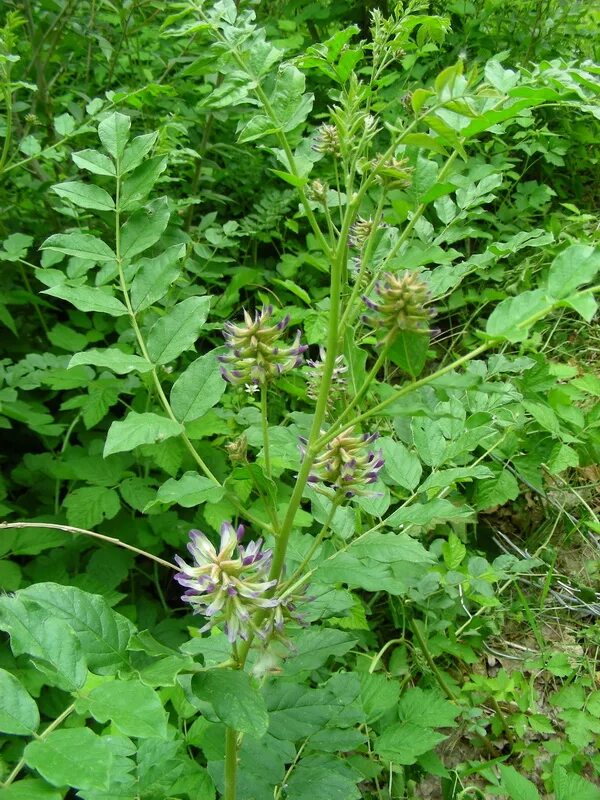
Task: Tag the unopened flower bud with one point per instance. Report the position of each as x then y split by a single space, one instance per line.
401 305
360 232
237 450
327 140
394 173
255 353
317 191
315 378
348 465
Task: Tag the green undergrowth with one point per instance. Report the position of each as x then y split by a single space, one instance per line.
412 188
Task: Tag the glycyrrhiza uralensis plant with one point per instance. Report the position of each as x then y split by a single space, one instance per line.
303 516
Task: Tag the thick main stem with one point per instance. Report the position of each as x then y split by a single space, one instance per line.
231 754
264 416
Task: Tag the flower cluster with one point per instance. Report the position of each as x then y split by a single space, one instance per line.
394 173
317 191
401 306
360 231
327 140
347 464
228 586
256 355
315 378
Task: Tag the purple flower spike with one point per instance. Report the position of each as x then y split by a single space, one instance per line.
347 466
229 586
402 305
256 353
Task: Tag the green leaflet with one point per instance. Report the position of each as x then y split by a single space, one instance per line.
137 429
19 714
79 758
235 699
113 132
198 388
134 708
102 633
52 645
85 195
178 330
144 227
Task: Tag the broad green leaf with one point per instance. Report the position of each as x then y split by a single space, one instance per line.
94 162
584 304
497 490
404 742
177 330
155 276
198 388
427 514
113 359
500 78
297 711
88 298
64 124
11 576
513 317
389 547
409 351
113 132
402 466
159 765
518 787
289 105
427 708
50 642
144 227
137 150
189 491
235 699
85 195
378 562
134 708
447 477
19 713
103 634
570 786
136 429
31 789
378 694
81 245
453 551
429 440
314 646
562 457
76 757
573 267
88 506
15 247
323 776
140 182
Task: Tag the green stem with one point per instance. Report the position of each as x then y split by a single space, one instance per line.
8 134
101 536
231 751
428 657
53 725
314 547
155 379
265 428
407 389
365 387
350 311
